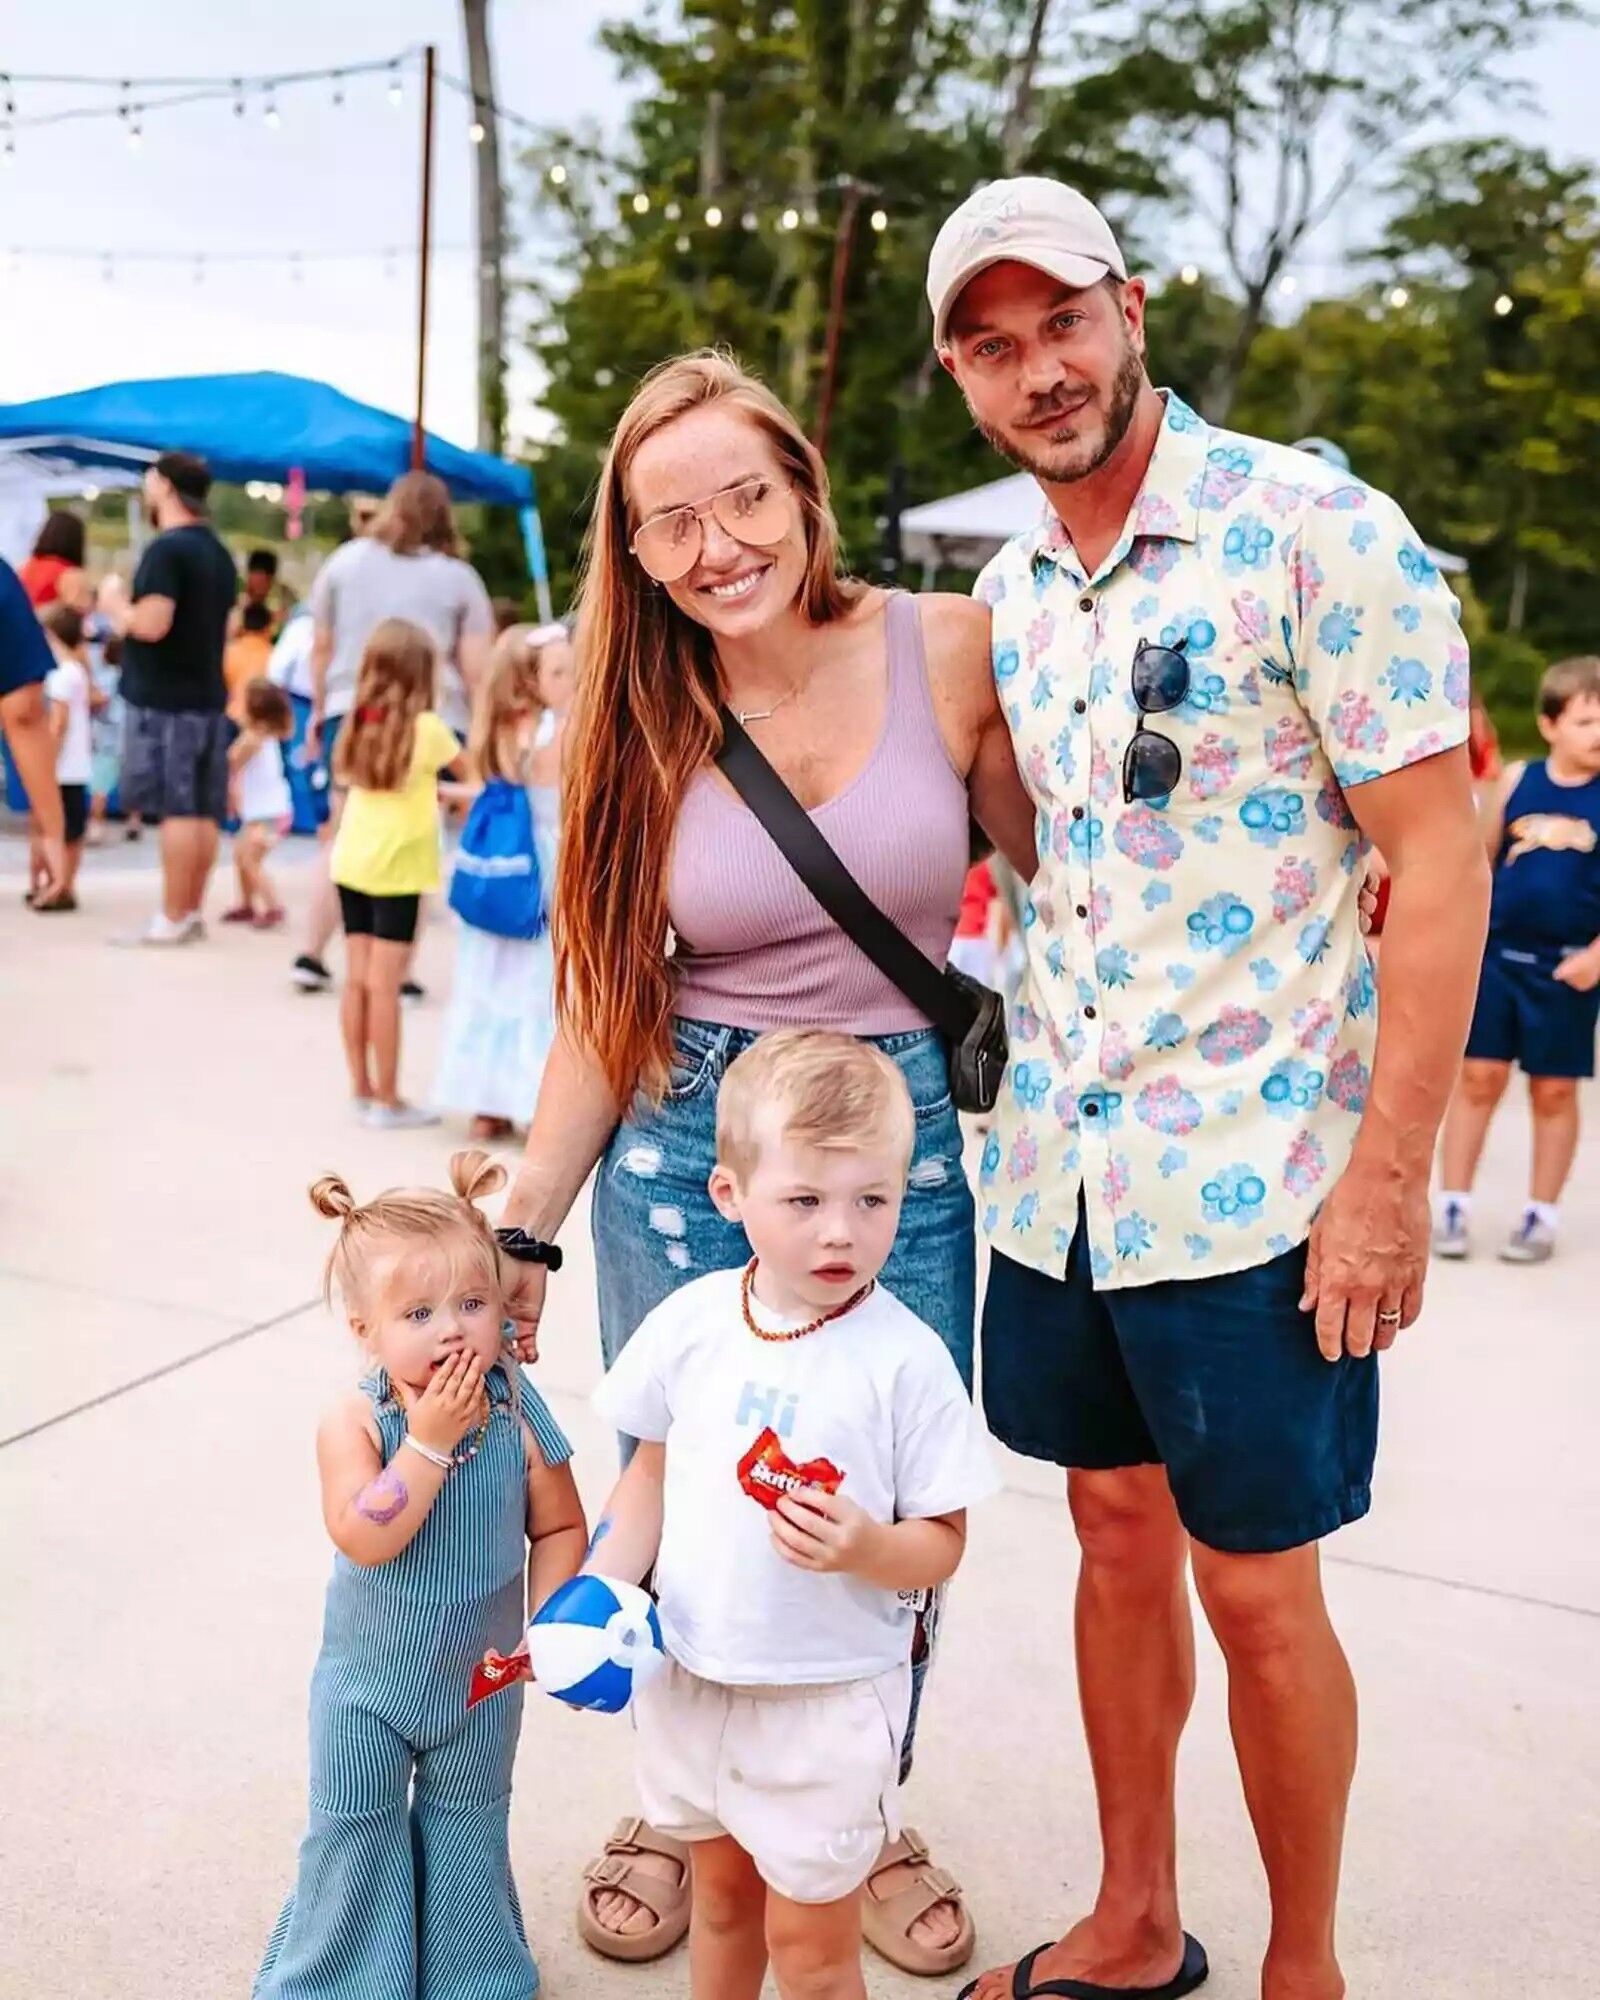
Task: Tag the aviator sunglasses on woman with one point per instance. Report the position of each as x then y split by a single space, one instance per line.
668 545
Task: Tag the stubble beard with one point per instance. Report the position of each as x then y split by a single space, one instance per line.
1066 463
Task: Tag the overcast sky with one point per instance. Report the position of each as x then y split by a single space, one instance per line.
327 179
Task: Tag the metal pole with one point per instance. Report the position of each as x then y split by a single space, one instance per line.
842 244
424 255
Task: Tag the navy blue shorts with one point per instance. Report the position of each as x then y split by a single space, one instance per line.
1525 1016
1220 1380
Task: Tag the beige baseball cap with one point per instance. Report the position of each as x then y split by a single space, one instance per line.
1029 220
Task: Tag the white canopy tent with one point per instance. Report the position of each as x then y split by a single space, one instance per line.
964 531
32 475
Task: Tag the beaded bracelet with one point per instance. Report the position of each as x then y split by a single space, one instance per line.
442 1459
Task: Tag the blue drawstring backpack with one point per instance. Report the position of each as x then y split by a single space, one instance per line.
496 885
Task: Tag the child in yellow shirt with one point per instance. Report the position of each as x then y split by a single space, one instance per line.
390 751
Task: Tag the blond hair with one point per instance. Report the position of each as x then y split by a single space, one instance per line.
421 1215
1568 681
645 722
509 688
394 686
829 1090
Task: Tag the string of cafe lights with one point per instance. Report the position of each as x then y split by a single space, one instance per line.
199 263
133 98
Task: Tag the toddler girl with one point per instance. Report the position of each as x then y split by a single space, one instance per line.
437 1474
389 753
69 690
258 789
502 1002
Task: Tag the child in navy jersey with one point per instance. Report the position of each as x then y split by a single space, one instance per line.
1539 994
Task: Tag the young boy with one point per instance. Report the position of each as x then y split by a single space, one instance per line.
70 693
1539 994
806 1458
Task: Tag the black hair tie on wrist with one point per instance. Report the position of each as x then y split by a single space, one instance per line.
526 1249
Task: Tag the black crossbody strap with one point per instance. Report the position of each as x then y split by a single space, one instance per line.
807 852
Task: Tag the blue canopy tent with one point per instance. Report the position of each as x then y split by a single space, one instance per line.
258 426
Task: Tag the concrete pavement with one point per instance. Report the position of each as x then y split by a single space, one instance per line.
166 1358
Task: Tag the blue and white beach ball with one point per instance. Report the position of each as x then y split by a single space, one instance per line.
593 1641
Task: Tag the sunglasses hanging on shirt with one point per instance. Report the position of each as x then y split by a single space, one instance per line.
1154 763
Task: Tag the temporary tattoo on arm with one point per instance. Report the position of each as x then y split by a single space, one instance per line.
384 1498
601 1531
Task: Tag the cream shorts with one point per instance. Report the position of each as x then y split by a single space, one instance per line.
805 1779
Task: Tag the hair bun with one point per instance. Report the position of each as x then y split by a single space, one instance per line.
474 1175
332 1198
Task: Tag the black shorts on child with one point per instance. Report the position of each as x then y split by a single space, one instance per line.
391 918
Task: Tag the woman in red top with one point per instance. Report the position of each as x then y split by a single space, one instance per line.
54 572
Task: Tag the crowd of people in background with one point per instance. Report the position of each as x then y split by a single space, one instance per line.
199 698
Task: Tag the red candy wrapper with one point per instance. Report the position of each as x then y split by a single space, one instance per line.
767 1472
496 1671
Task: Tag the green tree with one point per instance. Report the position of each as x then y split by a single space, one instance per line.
1287 107
777 152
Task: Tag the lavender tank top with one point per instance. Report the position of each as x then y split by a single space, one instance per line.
754 948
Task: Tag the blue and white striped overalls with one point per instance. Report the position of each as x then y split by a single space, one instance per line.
404 1890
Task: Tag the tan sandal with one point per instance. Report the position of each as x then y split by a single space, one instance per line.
667 1902
886 1920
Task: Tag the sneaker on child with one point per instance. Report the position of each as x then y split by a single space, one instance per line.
1533 1241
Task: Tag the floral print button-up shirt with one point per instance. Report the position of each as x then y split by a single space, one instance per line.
1193 1043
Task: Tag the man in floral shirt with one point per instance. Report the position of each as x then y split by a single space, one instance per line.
1224 663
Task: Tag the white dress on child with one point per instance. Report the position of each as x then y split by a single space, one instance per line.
502 1003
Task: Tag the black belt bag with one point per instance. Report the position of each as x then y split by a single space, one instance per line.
971 1015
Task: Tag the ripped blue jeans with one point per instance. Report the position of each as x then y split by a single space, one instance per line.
655 1226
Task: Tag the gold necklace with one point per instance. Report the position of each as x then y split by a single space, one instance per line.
744 715
798 1332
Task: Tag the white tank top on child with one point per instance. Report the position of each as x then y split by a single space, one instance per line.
264 786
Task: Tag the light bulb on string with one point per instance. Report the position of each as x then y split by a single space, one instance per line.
238 98
672 211
135 134
397 94
270 116
812 215
1399 297
558 175
475 132
1189 275
790 219
880 220
683 246
641 204
9 155
1289 286
338 89
1504 305
603 378
713 217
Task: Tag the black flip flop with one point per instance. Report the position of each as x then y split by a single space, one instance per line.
1190 1974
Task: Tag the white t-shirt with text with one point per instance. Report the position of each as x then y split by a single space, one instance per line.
68 683
875 1393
